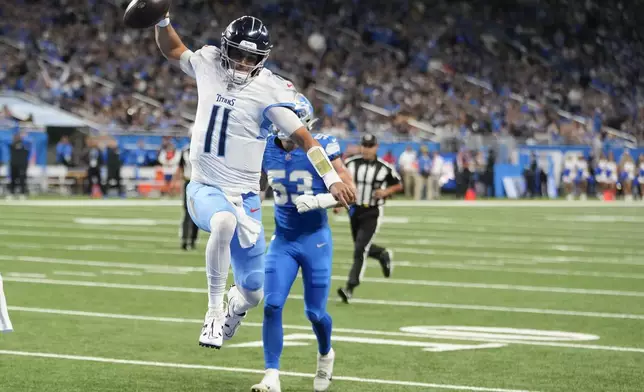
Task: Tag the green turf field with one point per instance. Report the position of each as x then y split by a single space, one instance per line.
507 298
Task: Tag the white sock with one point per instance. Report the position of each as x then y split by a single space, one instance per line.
271 375
5 323
222 229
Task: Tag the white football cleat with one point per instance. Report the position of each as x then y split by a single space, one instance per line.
270 382
233 320
212 330
324 374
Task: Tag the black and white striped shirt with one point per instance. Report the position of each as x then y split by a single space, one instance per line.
370 176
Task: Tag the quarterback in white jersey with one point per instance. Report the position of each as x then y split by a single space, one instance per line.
239 101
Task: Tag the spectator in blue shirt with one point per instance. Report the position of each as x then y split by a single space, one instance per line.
140 154
64 152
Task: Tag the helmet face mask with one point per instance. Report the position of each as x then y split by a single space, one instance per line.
245 46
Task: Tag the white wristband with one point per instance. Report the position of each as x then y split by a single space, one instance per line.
326 200
164 23
331 178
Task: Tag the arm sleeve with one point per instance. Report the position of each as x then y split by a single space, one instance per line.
186 64
283 118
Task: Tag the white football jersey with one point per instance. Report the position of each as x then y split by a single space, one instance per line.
230 129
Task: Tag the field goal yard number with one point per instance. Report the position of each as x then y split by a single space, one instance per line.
488 337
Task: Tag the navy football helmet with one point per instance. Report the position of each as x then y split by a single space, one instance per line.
245 46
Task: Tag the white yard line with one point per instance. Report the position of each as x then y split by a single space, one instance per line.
106 264
24 275
499 265
487 286
419 236
355 300
96 248
481 227
72 228
335 329
404 282
75 273
409 230
121 272
67 235
498 258
251 371
513 270
345 241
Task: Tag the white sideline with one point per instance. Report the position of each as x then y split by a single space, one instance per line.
335 329
269 203
406 282
355 300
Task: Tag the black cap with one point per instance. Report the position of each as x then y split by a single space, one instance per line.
368 140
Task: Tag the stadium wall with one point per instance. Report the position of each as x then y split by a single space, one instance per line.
550 158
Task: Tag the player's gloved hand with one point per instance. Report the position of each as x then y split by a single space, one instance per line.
305 203
343 193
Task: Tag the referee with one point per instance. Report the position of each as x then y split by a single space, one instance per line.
189 230
375 181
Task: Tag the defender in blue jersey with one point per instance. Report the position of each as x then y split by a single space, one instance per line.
302 239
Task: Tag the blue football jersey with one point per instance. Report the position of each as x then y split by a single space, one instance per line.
291 174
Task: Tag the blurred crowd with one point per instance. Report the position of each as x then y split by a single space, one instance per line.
399 69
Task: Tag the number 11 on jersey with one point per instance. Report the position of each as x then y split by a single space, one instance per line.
221 146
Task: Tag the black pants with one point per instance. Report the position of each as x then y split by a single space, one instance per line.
94 178
364 222
18 178
114 180
189 230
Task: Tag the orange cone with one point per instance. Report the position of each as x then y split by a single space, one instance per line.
96 192
470 194
609 195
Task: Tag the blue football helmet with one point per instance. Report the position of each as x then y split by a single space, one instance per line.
304 110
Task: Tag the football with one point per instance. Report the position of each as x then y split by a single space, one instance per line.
141 14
